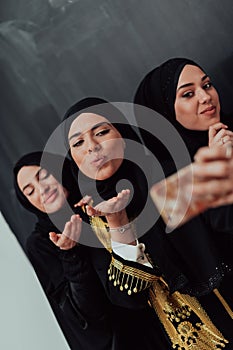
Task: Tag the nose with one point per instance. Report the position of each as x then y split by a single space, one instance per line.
93 145
203 96
43 187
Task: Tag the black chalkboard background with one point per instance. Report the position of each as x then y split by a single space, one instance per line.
54 52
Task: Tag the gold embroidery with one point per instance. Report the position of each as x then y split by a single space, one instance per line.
174 310
101 230
223 302
129 278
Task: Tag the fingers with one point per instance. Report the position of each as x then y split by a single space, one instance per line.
115 204
215 169
110 206
84 201
70 235
215 188
92 211
124 194
214 129
206 154
219 135
212 173
72 229
223 200
53 237
227 138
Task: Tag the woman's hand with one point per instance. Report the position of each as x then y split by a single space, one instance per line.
219 135
206 183
113 209
70 235
116 216
111 206
213 174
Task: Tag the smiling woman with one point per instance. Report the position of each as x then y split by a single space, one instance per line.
183 93
197 103
41 188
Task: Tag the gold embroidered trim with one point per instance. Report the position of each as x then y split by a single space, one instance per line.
223 302
129 278
174 311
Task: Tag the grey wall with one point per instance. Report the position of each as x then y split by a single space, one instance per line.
26 319
54 52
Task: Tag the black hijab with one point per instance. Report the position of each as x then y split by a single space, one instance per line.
53 163
157 91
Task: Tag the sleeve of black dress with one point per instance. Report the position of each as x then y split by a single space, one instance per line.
67 274
70 283
86 289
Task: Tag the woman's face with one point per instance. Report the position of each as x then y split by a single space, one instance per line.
197 104
96 146
41 188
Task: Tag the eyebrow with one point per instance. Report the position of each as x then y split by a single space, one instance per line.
190 84
92 129
28 185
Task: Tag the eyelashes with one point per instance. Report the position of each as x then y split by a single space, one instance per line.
191 93
207 85
100 133
78 143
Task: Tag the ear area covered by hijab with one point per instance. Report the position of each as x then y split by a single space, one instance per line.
157 89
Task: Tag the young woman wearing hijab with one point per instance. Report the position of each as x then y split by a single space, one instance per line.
181 91
62 266
98 140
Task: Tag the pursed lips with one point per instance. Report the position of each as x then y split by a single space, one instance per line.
98 160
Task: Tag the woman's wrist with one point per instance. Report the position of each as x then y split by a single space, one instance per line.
118 219
124 234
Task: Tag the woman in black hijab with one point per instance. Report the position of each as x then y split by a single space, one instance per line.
64 271
99 139
180 91
162 91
